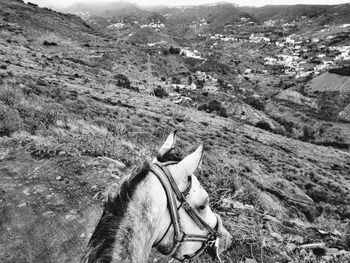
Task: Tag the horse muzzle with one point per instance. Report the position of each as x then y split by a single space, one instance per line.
222 243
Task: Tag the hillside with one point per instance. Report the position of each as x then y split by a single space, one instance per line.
71 128
106 9
148 35
324 13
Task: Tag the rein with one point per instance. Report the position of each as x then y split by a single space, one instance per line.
173 193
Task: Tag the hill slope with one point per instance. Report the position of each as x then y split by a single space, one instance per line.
105 9
325 13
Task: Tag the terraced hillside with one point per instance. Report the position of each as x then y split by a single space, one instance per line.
70 131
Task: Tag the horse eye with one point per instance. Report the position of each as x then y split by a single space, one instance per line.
202 207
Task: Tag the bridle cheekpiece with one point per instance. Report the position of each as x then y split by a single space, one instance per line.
173 194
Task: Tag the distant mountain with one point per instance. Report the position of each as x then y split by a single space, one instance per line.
331 13
104 9
216 15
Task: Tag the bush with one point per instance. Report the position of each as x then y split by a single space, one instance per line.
343 71
255 103
200 83
48 43
160 92
35 115
174 51
175 80
308 134
212 106
122 81
263 125
10 121
9 96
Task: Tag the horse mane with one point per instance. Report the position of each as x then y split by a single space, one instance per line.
101 242
103 238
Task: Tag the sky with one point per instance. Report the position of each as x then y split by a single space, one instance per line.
65 3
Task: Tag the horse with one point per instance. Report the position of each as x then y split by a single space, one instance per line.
162 206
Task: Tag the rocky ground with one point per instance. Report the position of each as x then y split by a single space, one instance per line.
69 133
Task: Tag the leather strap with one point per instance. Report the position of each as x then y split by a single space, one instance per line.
171 190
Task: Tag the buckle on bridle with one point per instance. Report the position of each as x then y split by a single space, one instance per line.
213 248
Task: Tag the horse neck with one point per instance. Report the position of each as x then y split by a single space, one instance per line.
139 228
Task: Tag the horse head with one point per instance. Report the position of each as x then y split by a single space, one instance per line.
200 228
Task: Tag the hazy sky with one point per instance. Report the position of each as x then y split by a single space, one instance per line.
63 3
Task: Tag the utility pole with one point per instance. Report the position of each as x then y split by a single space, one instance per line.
150 88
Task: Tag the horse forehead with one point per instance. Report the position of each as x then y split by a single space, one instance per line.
197 188
196 184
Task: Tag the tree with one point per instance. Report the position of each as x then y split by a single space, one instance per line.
174 51
160 92
122 81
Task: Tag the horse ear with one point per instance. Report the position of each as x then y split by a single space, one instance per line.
168 145
191 162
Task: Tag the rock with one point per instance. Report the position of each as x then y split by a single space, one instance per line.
59 178
313 245
55 199
94 188
250 260
39 189
24 204
71 217
291 247
48 214
26 191
278 236
116 163
115 176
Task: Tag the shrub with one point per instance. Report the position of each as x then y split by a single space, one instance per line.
36 115
344 71
255 103
174 51
122 81
263 125
308 134
9 96
200 83
48 43
212 106
160 92
10 121
175 80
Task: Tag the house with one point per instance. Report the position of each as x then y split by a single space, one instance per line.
193 86
247 71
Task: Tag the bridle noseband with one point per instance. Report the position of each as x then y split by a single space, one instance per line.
173 193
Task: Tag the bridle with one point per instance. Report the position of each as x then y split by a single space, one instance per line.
211 240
